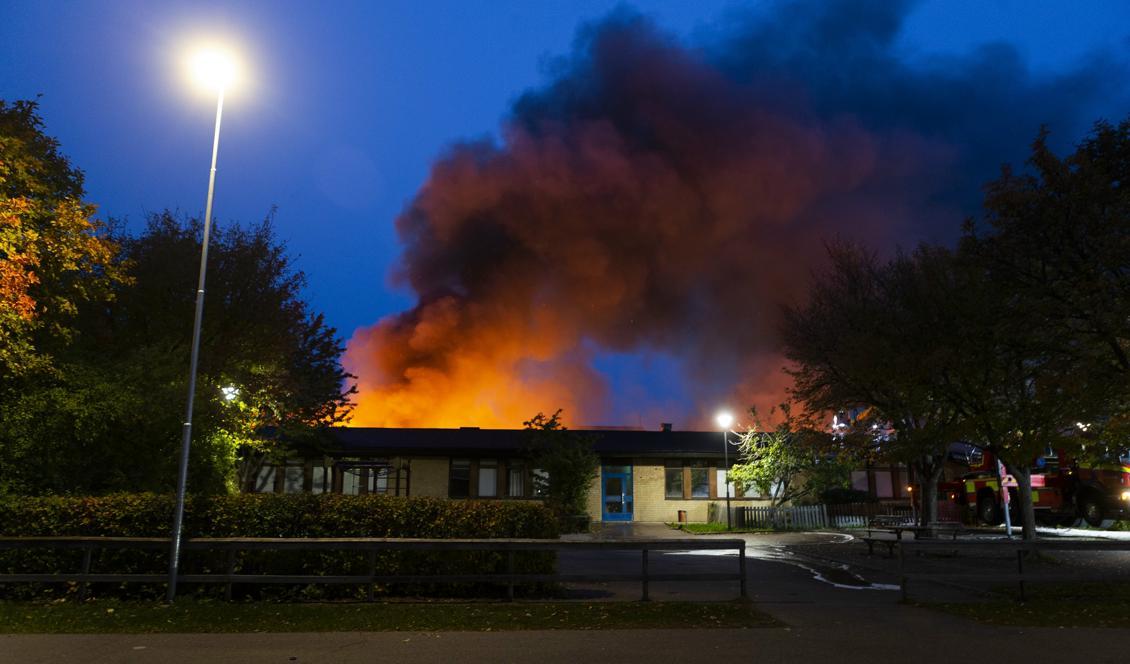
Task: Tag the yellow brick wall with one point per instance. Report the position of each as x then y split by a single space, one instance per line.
651 505
592 504
648 488
429 477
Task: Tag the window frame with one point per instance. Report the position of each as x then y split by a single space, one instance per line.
714 487
462 464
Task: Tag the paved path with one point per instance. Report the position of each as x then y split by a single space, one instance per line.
825 622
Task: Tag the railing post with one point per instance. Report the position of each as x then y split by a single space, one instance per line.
231 571
370 593
510 575
645 598
903 581
87 551
741 568
1020 570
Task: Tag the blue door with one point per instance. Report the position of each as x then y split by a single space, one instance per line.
616 493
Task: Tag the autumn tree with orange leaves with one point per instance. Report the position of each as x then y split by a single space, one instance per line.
54 255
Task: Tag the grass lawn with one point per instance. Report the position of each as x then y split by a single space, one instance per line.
186 615
714 528
1054 605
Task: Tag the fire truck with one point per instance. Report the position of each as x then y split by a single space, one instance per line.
1065 491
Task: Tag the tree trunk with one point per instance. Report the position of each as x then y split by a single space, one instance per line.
1023 475
928 471
929 492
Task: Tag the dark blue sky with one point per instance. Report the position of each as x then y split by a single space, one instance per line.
352 103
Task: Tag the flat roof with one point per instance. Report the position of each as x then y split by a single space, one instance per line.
369 441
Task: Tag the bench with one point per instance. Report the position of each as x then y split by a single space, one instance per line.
940 529
937 530
888 542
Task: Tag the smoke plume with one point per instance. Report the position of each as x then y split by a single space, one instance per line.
659 197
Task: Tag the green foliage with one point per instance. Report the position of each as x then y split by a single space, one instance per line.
791 461
1008 341
110 419
95 337
876 339
30 162
1058 236
568 460
275 515
1046 324
54 256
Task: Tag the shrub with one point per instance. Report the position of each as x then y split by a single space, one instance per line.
274 515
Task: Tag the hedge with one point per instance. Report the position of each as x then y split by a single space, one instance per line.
275 515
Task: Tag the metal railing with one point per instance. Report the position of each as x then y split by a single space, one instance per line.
1019 548
233 546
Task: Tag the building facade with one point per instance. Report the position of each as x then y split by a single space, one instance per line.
644 476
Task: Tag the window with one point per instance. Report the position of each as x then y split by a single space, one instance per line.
378 480
883 487
488 478
516 484
540 480
351 481
265 481
720 482
459 480
700 480
292 479
859 480
321 480
673 478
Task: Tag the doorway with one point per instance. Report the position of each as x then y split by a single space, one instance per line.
616 502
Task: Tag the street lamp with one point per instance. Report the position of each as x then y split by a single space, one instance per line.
724 420
215 70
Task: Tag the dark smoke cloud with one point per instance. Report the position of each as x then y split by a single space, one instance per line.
654 196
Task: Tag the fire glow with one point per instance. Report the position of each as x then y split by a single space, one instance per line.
657 197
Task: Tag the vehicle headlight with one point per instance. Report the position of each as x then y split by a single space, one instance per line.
1126 495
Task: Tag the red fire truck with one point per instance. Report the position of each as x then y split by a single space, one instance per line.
1065 491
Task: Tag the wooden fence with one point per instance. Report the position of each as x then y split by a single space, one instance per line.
803 517
847 515
1019 548
372 546
860 515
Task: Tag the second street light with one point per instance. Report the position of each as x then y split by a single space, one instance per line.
215 70
724 420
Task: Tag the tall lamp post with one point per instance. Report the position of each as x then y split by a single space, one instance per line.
724 420
214 70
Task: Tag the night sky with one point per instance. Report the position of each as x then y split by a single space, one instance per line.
696 153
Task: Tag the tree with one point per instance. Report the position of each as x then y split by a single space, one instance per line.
791 461
1047 323
111 420
872 339
1058 236
54 256
1018 384
568 462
